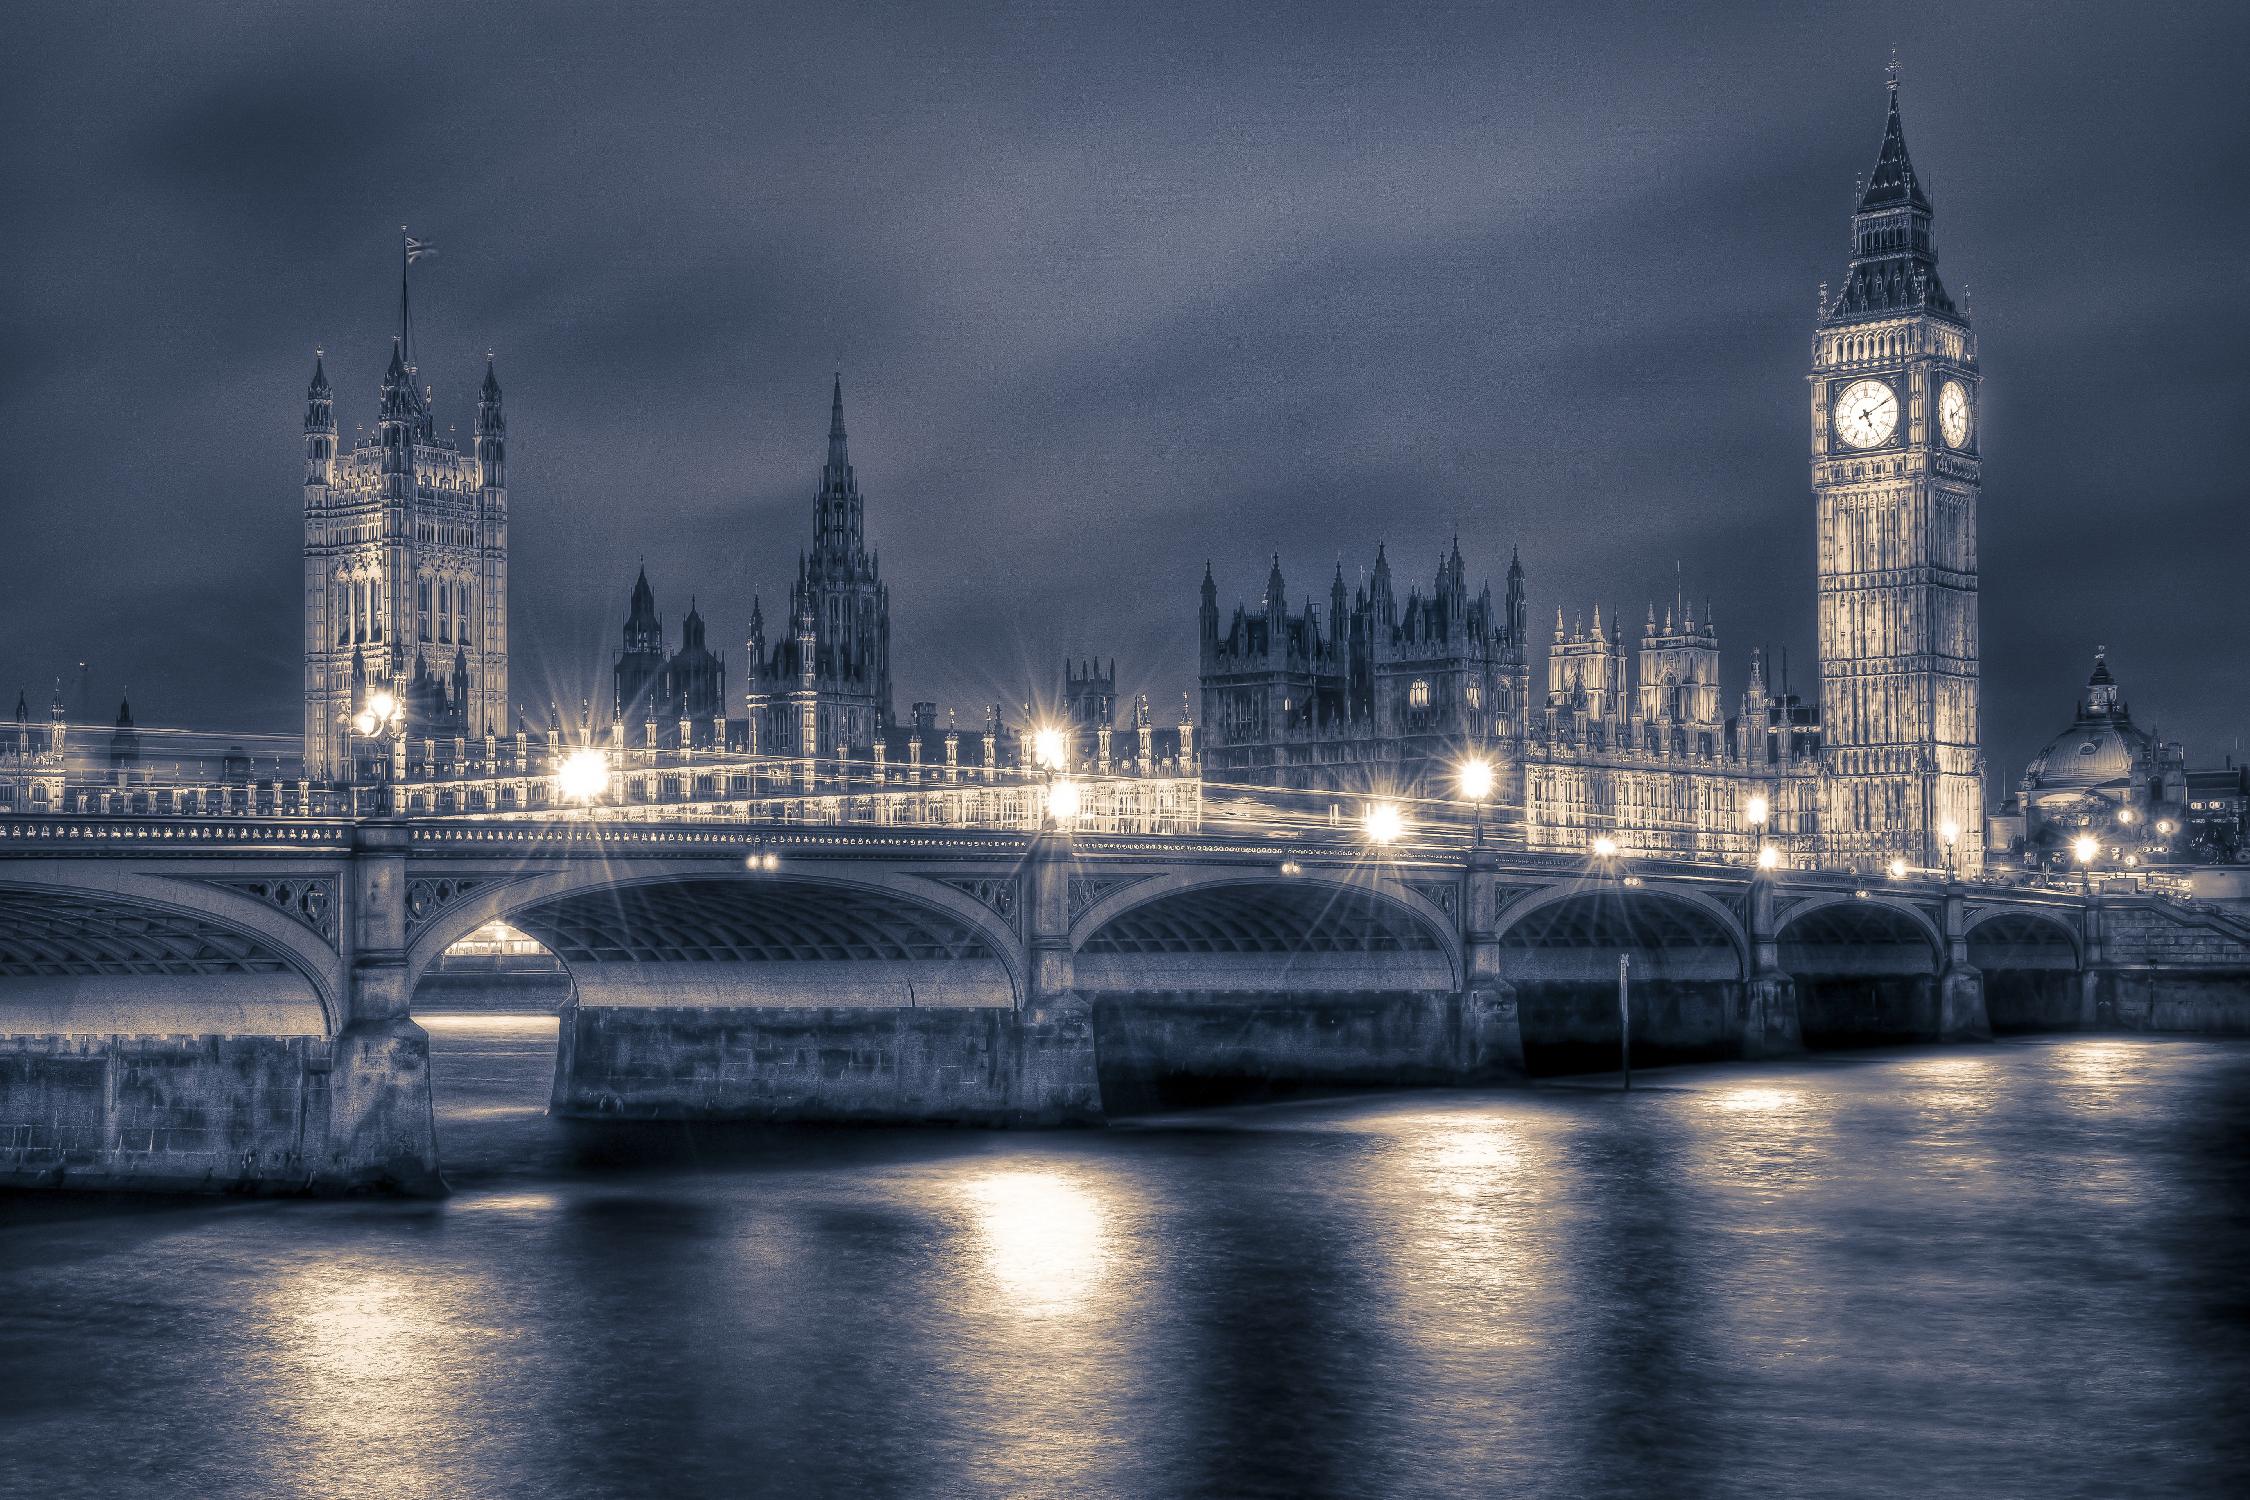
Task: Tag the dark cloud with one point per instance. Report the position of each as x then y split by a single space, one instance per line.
1115 291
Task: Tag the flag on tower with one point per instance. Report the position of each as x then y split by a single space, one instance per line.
416 249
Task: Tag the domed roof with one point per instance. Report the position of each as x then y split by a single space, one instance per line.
2101 745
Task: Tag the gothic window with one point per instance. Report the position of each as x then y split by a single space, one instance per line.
1418 696
1475 695
422 609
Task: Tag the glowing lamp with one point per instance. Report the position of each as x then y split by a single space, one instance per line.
2164 826
363 723
2085 847
1062 800
2126 815
1048 747
382 705
1757 810
1769 857
1898 869
1950 831
1475 778
1605 847
1383 823
584 774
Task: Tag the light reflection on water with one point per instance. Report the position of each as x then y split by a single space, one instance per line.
2003 1270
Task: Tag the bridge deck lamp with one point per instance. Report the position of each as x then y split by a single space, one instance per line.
1062 800
1384 823
2085 849
1604 846
584 775
1474 777
2165 826
1896 869
1769 858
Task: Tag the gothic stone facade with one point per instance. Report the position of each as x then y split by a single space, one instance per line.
1377 695
824 687
1887 769
406 569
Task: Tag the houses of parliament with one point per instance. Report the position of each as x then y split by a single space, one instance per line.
1601 728
1631 736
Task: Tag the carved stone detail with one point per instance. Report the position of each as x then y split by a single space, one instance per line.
310 899
995 891
426 898
1445 895
1088 891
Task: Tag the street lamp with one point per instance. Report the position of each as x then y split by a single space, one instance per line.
383 717
1049 748
1769 858
1950 832
1604 846
1384 823
2084 848
1062 800
1755 812
1896 869
1475 780
583 775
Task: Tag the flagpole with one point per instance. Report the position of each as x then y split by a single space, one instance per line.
405 328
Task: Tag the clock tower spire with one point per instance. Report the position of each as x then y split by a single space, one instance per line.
1895 475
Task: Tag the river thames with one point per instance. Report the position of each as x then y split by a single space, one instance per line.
2018 1269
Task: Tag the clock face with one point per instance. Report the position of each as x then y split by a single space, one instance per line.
1866 413
1953 413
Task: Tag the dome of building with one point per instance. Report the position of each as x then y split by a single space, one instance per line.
2101 747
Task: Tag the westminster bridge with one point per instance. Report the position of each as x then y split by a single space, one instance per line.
226 1002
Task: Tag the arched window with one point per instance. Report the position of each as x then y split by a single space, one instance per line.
1418 696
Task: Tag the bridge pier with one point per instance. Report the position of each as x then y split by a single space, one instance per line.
382 1126
1771 1023
1961 1013
1490 1046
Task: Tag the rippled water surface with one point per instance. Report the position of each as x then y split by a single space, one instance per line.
2011 1270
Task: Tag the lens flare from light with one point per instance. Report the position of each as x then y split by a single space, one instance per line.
584 774
1605 847
1048 747
1063 800
1475 778
1769 858
2085 847
1897 869
363 723
382 705
1757 810
1384 823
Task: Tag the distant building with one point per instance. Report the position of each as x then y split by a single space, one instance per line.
2217 827
1373 694
2103 775
822 688
406 569
668 699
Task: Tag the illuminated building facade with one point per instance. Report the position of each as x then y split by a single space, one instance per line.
1377 693
406 569
822 687
1896 476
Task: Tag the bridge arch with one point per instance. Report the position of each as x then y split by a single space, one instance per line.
2030 960
1559 948
715 932
1866 968
1338 930
106 951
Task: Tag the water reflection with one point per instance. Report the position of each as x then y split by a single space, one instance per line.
2003 1271
1044 1239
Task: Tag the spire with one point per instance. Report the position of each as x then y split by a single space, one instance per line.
125 712
491 381
1893 181
1893 268
838 460
318 390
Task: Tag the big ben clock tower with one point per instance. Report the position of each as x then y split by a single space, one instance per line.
1895 475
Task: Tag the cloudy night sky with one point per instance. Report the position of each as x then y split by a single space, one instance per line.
1113 291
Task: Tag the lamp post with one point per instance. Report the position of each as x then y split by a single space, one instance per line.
1949 832
2084 849
1604 849
1050 749
583 777
1383 823
1474 778
383 717
1756 812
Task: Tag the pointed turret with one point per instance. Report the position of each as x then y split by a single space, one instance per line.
1894 268
1275 606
